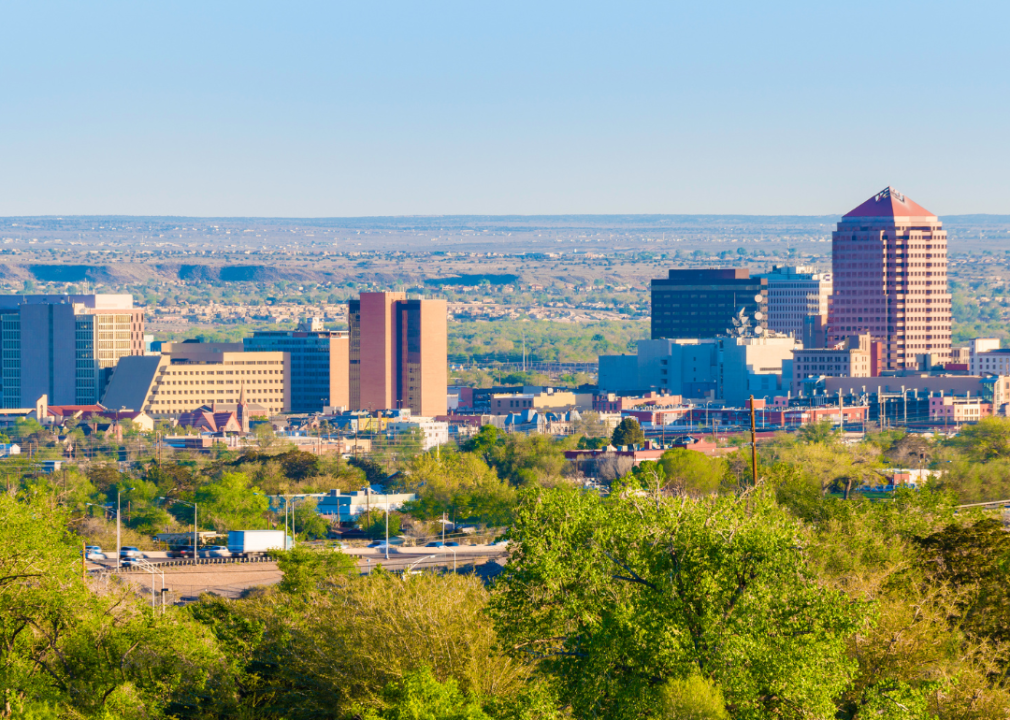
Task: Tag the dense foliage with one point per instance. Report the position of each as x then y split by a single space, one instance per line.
689 590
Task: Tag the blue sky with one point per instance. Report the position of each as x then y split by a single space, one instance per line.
385 108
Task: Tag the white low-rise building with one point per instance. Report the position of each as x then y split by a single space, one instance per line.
8 449
344 507
987 358
433 432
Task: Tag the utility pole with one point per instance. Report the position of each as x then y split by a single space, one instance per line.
753 443
119 508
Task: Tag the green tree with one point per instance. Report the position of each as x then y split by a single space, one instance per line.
627 432
689 472
419 696
823 432
617 597
692 698
373 523
104 477
988 439
458 484
309 524
975 558
82 652
264 436
171 478
529 459
306 570
298 464
483 442
231 503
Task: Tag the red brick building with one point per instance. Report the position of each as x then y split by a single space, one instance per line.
612 403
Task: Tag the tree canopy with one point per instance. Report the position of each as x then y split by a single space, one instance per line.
627 432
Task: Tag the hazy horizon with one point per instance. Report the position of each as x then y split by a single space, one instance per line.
339 110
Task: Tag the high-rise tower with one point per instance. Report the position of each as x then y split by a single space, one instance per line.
64 346
397 353
889 258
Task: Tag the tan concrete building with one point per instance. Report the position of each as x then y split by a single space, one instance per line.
398 351
187 376
795 294
958 409
986 357
551 401
852 358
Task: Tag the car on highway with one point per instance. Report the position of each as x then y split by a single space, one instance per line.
131 561
452 544
436 543
383 546
392 541
93 552
215 551
130 552
182 551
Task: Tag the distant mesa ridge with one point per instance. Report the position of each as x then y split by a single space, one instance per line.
140 272
473 280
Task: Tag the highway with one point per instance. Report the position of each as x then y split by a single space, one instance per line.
186 579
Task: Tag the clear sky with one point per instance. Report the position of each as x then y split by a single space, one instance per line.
302 109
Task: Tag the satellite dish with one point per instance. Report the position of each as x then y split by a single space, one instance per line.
758 330
759 315
759 298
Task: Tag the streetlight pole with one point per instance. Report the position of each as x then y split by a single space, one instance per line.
387 528
119 509
411 566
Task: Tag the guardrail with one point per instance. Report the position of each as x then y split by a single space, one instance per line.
992 503
197 561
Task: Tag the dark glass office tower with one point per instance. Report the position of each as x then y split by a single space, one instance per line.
703 303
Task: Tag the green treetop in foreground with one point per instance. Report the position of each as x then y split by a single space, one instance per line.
619 598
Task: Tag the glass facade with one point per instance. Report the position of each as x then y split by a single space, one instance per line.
311 361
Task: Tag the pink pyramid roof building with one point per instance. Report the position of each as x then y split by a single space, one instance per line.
889 203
